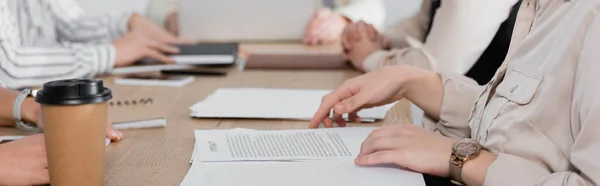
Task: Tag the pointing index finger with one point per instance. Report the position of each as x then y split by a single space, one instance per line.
327 104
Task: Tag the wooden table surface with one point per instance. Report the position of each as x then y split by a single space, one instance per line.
161 156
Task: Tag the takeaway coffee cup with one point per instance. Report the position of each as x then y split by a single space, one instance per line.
74 115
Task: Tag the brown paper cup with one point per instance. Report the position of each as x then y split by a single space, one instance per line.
75 143
74 116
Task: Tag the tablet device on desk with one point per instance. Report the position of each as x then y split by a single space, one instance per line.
251 21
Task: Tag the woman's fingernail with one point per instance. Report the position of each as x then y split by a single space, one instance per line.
114 134
340 107
358 159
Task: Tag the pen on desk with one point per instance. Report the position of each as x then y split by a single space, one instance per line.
155 123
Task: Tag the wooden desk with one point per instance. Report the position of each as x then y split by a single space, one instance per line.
161 156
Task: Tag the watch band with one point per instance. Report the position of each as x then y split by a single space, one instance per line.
456 172
20 124
18 103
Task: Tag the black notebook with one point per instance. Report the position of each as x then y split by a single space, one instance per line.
203 54
207 54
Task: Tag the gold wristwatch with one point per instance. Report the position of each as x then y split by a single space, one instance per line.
462 151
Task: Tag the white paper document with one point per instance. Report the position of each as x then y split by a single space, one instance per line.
279 145
270 104
312 157
317 173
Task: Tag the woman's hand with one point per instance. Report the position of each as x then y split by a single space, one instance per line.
23 162
113 133
139 23
370 90
325 27
408 146
360 40
135 46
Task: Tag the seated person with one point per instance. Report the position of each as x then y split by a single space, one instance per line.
24 161
53 39
440 37
536 123
325 27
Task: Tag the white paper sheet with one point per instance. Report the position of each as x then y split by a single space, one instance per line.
318 173
279 145
270 104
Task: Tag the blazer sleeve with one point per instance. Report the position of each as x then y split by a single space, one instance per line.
460 33
414 27
460 94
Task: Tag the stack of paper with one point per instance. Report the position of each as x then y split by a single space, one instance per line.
288 157
270 104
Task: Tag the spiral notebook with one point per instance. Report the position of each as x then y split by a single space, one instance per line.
135 114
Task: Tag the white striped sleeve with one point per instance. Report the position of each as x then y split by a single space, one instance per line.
74 25
28 66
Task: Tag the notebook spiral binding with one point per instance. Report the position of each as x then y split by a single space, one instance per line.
133 102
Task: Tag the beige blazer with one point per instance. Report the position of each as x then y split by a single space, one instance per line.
370 11
541 112
461 31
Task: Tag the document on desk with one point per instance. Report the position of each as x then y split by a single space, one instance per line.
319 173
299 104
279 145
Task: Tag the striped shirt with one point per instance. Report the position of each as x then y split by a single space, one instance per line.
45 40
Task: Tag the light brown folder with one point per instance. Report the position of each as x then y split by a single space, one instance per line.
294 56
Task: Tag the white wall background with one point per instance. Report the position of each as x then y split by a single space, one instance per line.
396 9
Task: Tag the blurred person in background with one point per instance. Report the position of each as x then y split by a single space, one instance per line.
326 26
468 37
49 40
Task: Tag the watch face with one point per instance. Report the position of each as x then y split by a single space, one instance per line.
467 147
